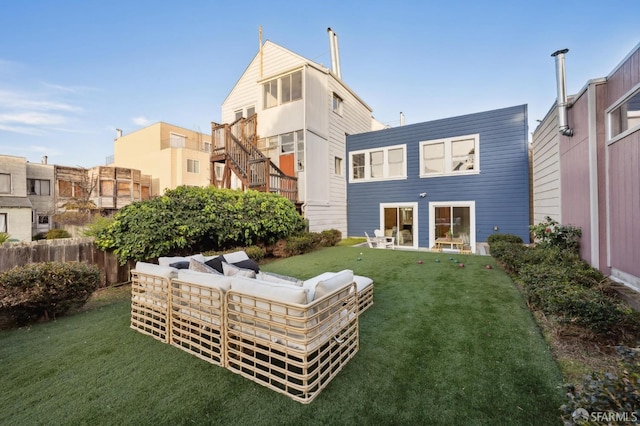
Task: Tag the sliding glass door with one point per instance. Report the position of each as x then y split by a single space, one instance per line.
400 221
452 224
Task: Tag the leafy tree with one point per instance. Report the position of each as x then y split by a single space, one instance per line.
188 219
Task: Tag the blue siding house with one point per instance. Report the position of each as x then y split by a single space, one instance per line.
460 178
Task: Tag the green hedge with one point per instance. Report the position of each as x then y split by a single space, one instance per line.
556 281
46 290
194 219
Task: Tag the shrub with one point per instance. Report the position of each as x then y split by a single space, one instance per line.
97 225
330 237
53 234
198 219
604 393
551 234
256 253
504 238
4 237
302 243
46 290
39 236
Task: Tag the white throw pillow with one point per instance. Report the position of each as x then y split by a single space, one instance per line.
332 284
235 257
153 269
167 260
231 271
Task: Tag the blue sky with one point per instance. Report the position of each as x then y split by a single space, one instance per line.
71 72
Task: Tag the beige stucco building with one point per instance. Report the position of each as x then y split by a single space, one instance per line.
172 155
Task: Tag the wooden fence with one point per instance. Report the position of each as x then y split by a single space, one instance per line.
66 250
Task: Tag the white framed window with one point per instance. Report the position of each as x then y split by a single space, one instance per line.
450 156
250 111
337 166
623 117
5 184
380 163
206 146
3 222
300 149
38 187
193 166
177 141
282 90
237 115
337 104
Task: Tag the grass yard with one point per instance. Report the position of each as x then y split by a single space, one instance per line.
441 345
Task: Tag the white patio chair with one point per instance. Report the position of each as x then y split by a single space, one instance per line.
383 241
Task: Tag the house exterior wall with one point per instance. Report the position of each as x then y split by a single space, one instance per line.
600 176
623 156
546 169
15 204
500 191
321 190
149 151
43 205
575 174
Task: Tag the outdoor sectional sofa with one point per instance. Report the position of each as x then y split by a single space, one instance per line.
289 335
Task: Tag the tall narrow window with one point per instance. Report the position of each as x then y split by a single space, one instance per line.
376 160
396 162
270 94
337 104
3 222
337 165
5 183
300 149
357 164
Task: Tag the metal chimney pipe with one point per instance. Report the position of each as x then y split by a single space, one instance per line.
561 101
44 159
401 118
335 54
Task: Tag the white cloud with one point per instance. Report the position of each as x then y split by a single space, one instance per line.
141 121
33 118
14 100
20 129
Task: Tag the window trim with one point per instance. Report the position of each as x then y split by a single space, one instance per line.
10 183
448 156
385 164
635 90
195 166
38 192
337 104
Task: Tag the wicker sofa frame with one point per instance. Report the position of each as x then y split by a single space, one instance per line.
293 349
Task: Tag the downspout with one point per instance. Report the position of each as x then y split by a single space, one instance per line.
562 93
593 175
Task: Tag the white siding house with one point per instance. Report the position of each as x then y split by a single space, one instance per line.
546 169
304 114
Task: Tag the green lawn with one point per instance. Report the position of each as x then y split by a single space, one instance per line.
441 345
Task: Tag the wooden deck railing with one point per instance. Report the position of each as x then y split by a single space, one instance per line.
236 144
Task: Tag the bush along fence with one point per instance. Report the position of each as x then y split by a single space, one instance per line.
66 250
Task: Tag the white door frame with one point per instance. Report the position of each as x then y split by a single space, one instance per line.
472 219
415 219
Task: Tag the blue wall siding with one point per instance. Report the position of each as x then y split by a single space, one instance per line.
500 191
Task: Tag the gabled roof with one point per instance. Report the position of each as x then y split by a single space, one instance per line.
304 60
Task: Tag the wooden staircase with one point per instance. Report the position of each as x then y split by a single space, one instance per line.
235 145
